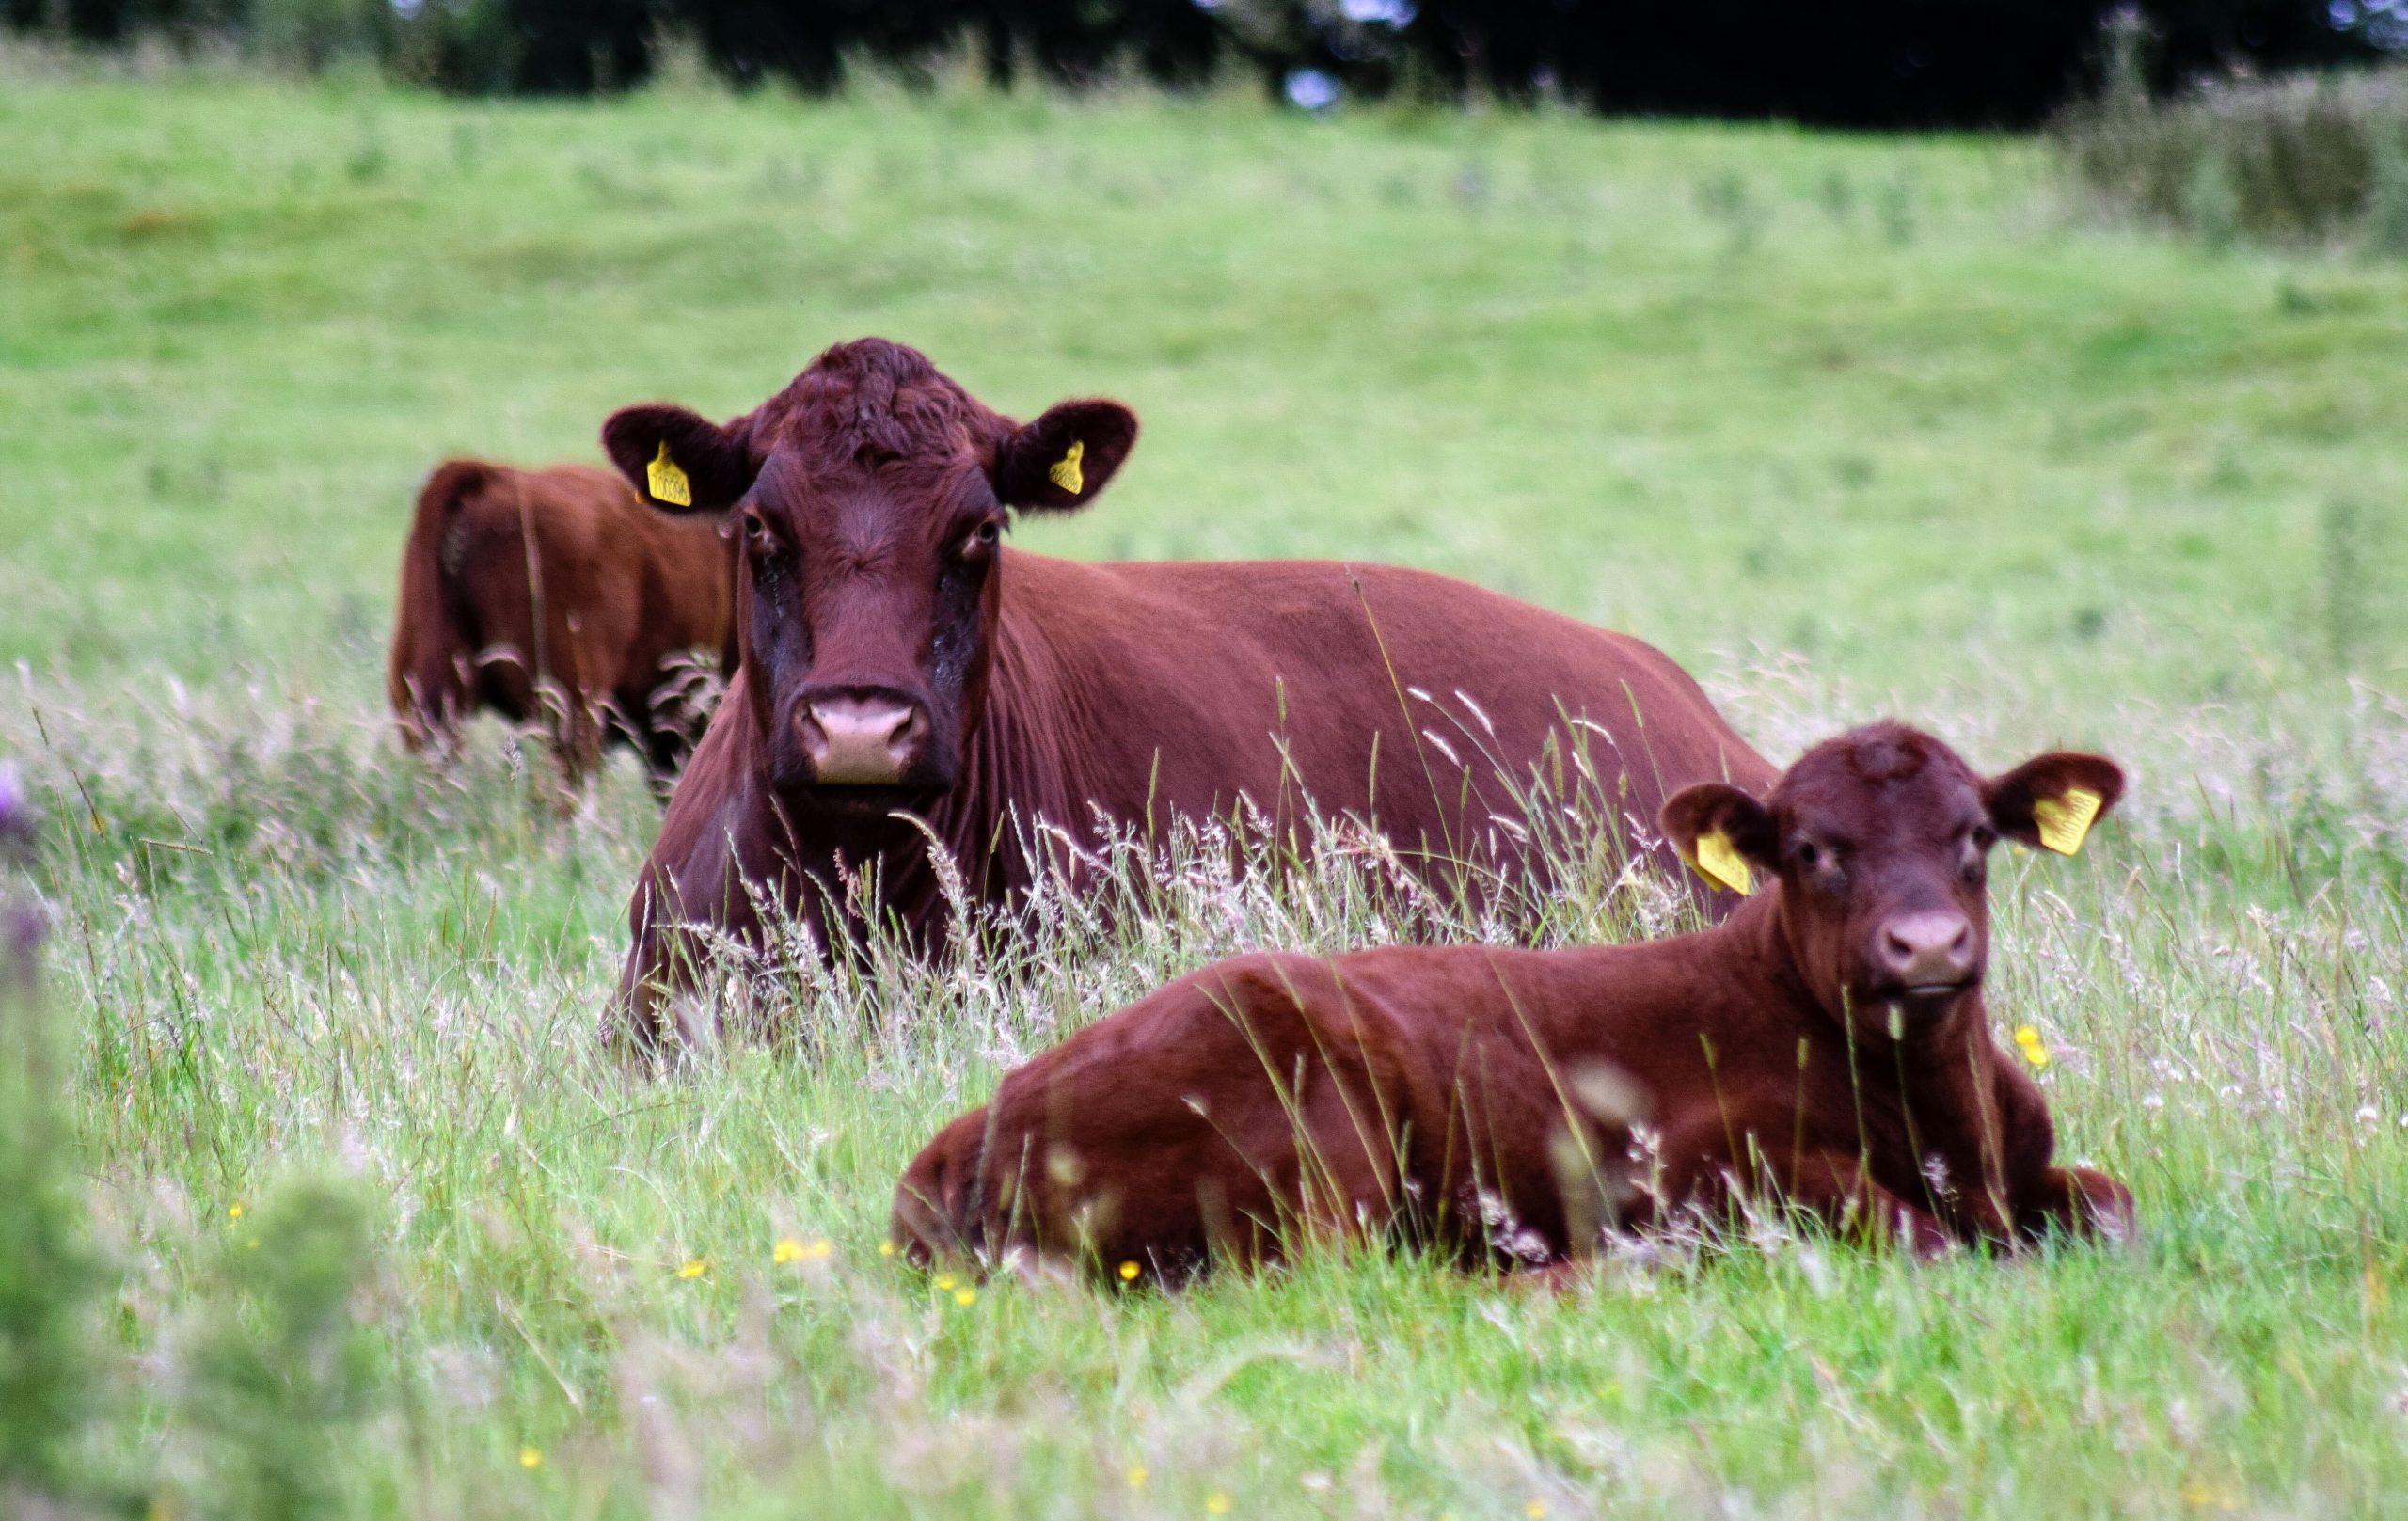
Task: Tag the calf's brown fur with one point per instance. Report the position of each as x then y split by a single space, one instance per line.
897 659
1826 1046
556 593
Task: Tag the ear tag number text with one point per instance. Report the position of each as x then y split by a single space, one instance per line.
2064 821
669 483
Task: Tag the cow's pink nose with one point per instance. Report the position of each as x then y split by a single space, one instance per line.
1931 949
862 741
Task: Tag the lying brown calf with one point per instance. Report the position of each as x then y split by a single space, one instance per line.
555 593
1826 1046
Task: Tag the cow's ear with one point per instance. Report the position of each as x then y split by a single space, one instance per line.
678 461
1725 835
2050 802
1065 458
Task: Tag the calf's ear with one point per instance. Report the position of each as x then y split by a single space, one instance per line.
2050 802
1065 458
1723 834
677 461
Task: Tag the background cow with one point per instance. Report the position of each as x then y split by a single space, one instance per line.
555 593
1827 1045
896 657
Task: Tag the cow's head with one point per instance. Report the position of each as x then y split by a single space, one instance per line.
870 498
1879 843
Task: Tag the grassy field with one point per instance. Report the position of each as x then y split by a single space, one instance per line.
1851 425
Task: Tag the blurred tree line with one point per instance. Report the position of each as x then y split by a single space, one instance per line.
1873 63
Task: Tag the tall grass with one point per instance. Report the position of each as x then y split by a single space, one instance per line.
45 1340
667 1297
1849 426
2319 159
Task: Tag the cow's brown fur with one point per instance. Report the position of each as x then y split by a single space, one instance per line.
620 589
869 496
1518 1104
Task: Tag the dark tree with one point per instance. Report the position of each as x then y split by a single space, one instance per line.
1862 63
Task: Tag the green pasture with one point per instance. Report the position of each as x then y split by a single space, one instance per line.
1852 426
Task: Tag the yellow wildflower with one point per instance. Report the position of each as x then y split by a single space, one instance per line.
530 1457
693 1267
2037 1054
886 1248
1130 1271
1217 1502
235 1211
790 1250
2026 1036
1137 1475
946 1280
965 1296
1535 1509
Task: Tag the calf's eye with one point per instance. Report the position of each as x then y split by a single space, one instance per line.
989 532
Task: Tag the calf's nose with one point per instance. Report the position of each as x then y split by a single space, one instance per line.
1928 949
862 741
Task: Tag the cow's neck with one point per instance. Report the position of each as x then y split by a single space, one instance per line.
1022 768
826 855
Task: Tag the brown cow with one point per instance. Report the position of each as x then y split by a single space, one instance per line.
896 658
554 591
1826 1046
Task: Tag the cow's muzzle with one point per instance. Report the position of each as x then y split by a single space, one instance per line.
862 739
1930 955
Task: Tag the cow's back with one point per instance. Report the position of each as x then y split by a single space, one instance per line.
1440 1081
552 610
612 590
1373 690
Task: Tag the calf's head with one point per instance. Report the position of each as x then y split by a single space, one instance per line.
869 499
1877 843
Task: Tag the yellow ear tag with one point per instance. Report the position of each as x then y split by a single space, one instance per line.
1064 472
2064 821
1719 863
668 481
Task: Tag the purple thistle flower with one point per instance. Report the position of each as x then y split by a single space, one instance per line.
16 813
20 923
22 928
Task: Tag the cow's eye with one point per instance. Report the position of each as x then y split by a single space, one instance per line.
1822 864
759 542
982 539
